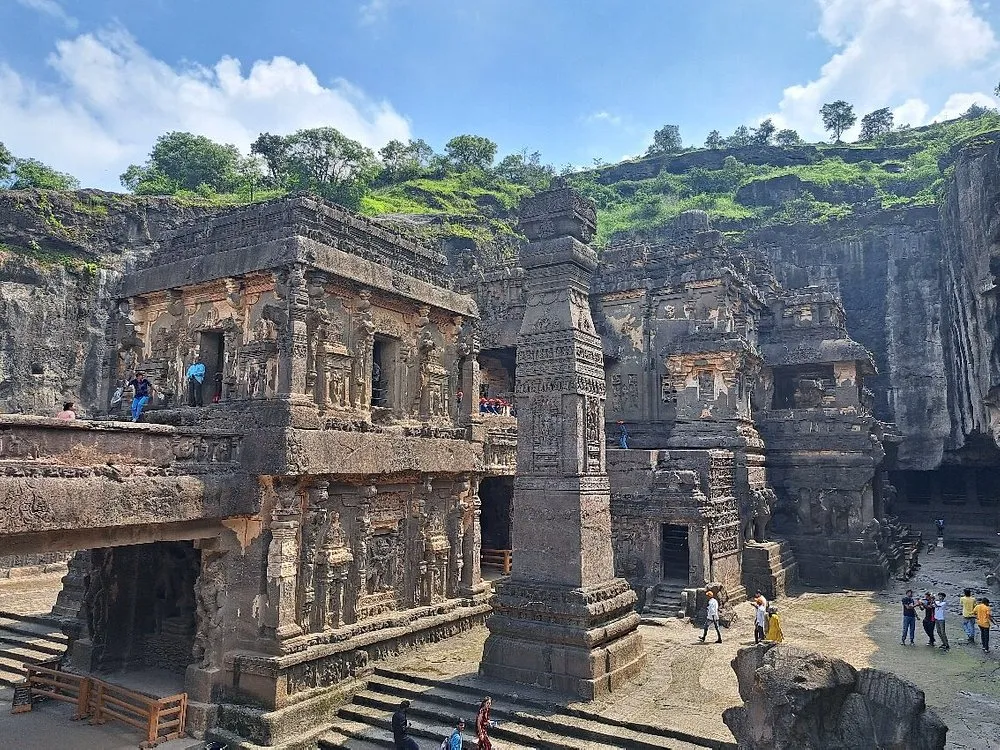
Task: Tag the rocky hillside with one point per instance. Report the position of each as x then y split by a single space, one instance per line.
62 256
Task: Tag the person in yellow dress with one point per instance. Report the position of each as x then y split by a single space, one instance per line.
773 626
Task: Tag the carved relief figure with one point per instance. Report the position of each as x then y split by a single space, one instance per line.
209 599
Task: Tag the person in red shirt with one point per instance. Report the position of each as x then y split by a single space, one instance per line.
483 724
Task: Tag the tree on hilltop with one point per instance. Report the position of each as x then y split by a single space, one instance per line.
526 169
405 161
714 140
184 161
465 152
787 137
666 140
876 124
764 133
740 137
837 117
21 173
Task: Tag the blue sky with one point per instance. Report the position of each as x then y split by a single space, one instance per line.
87 85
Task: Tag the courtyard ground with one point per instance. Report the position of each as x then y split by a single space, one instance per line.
688 684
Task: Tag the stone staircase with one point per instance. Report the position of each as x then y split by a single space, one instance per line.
25 638
526 720
666 599
769 567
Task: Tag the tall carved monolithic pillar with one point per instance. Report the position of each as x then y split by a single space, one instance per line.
562 621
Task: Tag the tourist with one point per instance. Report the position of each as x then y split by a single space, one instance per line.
774 626
968 602
195 379
926 603
759 619
984 617
909 616
68 412
622 435
142 389
454 741
401 728
712 616
940 532
483 724
939 623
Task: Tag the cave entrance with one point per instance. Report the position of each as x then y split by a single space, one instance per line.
139 609
497 497
962 495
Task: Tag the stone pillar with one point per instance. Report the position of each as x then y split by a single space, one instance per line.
282 565
364 341
563 620
468 375
472 579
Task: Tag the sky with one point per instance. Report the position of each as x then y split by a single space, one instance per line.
87 85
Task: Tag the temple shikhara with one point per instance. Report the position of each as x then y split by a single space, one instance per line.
601 435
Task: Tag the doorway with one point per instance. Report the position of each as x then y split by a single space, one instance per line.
675 553
213 355
381 358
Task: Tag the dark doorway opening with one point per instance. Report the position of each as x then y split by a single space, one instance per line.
674 551
213 355
496 495
380 373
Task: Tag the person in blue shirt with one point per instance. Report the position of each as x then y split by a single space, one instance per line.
454 742
195 378
142 389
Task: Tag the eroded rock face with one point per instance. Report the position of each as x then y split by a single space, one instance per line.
801 700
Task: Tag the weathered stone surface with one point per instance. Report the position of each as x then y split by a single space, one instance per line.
800 700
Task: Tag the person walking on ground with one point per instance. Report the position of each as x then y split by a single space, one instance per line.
622 435
759 619
984 617
712 617
940 532
909 616
968 602
68 412
939 621
401 728
195 379
926 603
454 741
774 626
142 389
483 724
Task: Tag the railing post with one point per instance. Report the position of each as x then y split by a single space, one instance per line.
83 699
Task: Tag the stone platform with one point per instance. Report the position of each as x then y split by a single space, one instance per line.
769 567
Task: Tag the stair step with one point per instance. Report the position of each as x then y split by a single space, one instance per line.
556 723
39 645
435 729
21 630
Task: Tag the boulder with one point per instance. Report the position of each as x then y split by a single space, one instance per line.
802 700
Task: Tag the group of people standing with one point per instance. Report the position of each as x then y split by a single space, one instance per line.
766 626
403 741
975 613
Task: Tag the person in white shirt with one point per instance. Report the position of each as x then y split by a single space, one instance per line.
712 617
759 619
940 610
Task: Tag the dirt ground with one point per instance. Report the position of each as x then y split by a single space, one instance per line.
688 684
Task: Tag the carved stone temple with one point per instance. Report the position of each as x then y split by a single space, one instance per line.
562 620
680 419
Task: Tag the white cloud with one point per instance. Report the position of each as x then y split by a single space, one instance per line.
112 99
604 117
49 8
959 103
911 112
373 11
887 50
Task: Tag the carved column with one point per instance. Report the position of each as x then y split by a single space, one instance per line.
362 538
468 374
364 341
282 565
472 542
312 532
456 538
293 339
562 619
336 559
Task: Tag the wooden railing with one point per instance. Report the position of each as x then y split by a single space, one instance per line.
59 686
500 559
161 719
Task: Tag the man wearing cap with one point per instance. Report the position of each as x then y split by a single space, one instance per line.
455 740
712 616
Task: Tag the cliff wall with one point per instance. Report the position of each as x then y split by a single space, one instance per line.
62 257
970 233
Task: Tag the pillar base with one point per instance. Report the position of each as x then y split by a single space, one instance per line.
580 641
